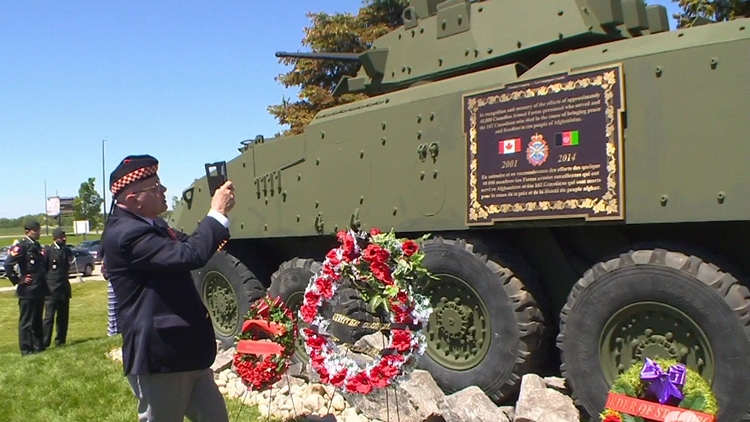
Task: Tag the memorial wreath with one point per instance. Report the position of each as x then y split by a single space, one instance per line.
660 390
265 343
384 272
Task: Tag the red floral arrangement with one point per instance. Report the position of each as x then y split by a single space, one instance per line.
384 272
265 343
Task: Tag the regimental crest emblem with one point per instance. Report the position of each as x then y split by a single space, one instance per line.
537 151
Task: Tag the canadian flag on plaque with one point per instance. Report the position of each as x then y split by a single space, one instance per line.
509 146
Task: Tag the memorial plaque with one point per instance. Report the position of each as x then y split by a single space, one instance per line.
546 148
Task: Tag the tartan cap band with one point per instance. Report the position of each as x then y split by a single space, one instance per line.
132 169
132 177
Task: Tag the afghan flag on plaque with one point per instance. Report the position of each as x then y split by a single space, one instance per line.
509 146
566 139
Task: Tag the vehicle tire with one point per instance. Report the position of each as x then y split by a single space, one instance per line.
486 327
349 302
683 308
227 288
88 270
289 283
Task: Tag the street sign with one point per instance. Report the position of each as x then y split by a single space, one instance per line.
53 206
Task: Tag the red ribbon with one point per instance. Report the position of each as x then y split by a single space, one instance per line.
648 409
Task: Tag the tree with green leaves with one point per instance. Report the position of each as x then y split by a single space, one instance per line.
340 32
717 10
88 204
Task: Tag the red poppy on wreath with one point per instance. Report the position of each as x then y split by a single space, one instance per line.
612 417
265 343
387 268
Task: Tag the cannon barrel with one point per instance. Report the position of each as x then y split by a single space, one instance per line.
341 57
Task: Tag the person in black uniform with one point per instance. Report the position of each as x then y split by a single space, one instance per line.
168 341
57 260
30 287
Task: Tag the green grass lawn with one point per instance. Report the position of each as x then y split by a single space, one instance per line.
5 282
77 382
11 231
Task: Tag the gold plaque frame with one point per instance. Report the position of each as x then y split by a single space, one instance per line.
608 206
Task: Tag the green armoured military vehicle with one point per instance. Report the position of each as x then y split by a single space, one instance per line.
581 169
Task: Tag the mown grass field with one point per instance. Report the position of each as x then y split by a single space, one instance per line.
44 239
9 231
77 382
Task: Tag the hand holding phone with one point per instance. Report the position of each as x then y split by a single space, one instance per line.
216 175
223 198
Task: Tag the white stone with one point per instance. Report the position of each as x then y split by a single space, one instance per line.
263 410
353 418
250 399
556 382
338 403
348 412
537 403
312 402
286 405
315 389
239 390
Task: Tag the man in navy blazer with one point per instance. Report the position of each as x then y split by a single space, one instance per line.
168 340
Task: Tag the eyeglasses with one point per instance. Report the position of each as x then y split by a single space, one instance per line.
158 185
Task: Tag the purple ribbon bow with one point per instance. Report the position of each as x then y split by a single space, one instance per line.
664 384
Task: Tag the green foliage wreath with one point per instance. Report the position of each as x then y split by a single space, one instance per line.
697 392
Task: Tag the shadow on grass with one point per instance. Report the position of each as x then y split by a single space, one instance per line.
79 341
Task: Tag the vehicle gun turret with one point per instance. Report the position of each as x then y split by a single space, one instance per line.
340 57
442 39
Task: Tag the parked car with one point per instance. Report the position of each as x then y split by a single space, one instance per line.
84 262
3 254
93 247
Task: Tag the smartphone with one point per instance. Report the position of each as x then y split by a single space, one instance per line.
216 174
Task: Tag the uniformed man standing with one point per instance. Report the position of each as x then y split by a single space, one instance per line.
31 287
57 260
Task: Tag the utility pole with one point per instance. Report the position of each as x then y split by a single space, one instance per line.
46 214
104 188
59 214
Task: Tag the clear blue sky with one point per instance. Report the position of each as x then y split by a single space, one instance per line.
184 81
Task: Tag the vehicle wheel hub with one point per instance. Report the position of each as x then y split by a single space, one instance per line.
655 346
458 334
220 299
653 330
453 319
